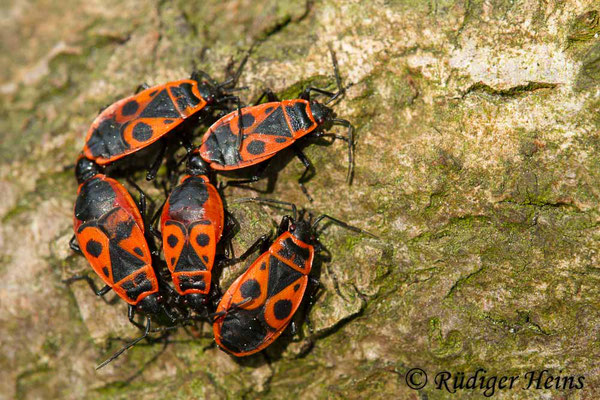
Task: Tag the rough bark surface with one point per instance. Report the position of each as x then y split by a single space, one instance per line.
477 165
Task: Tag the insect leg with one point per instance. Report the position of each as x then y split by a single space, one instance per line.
129 345
74 245
100 293
142 87
308 169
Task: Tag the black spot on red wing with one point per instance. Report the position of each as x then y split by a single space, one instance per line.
173 261
296 287
142 132
205 258
275 124
172 240
263 266
281 140
152 94
161 106
94 248
105 271
138 251
256 147
130 108
247 120
250 288
282 309
268 110
298 116
168 121
106 140
202 239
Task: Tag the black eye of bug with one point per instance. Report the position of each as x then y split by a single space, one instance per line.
159 298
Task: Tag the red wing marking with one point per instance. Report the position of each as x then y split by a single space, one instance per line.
252 284
139 120
293 252
280 308
174 238
203 240
95 247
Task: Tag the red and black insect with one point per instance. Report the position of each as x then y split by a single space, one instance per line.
270 127
137 121
109 231
260 304
192 224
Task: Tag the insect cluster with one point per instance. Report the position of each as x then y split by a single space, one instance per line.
118 238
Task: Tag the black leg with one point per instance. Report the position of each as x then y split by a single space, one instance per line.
142 87
255 246
350 141
74 245
230 83
151 174
338 80
157 214
104 107
306 93
129 345
284 225
258 176
233 307
311 301
100 293
320 134
268 93
199 75
225 99
292 206
294 331
189 147
142 200
308 169
340 223
231 228
131 316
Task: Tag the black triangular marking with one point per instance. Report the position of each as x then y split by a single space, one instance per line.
189 260
122 262
161 106
281 276
275 124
